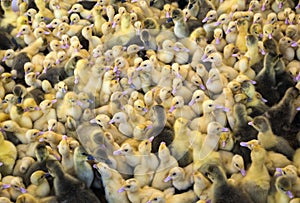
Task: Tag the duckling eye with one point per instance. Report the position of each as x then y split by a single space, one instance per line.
155 199
5 126
23 29
174 174
118 117
127 186
211 15
125 150
177 103
210 105
289 41
197 97
15 186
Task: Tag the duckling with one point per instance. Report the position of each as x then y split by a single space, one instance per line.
22 165
131 155
83 170
166 54
39 185
26 31
286 104
210 23
242 27
202 186
182 178
179 109
161 197
180 147
181 53
283 191
228 52
9 57
290 171
69 107
215 83
178 89
222 190
49 113
67 159
252 50
286 49
167 161
66 187
269 140
16 188
197 100
7 82
112 180
144 172
124 127
19 132
8 156
217 62
218 40
78 8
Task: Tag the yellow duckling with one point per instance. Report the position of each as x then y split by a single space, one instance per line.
8 156
242 27
218 40
179 109
182 178
39 184
16 188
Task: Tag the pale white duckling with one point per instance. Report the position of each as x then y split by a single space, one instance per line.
94 41
9 57
49 113
124 127
217 62
78 8
27 32
210 23
197 100
166 54
178 89
182 178
76 20
39 184
179 109
286 49
181 53
215 83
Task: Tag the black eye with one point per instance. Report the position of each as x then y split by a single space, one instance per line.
125 150
210 105
174 174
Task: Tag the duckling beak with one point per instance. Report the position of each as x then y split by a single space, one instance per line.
117 152
23 190
93 121
290 194
5 186
192 102
250 123
205 20
243 172
122 189
167 179
244 144
168 14
263 8
294 44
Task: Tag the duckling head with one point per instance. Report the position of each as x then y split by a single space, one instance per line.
260 123
218 35
157 197
177 102
81 154
210 16
145 147
17 184
215 128
213 172
283 184
38 177
176 173
198 96
177 15
9 54
238 164
130 185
